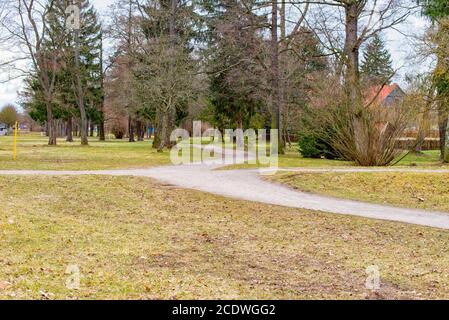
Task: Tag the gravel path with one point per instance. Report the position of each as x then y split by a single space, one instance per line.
248 185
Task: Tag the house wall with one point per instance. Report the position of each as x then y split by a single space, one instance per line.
2 129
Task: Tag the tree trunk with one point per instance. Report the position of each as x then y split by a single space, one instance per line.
275 92
361 138
284 119
144 130
139 130
351 55
92 129
50 125
101 132
163 133
443 123
157 128
424 127
69 129
130 129
80 93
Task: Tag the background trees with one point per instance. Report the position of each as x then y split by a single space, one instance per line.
27 26
438 13
66 77
376 63
236 75
238 64
9 116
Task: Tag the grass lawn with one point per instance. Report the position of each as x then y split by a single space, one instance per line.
292 158
430 158
34 153
413 190
133 238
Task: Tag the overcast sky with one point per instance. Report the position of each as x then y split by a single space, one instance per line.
399 46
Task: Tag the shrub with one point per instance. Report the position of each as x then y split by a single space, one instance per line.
312 145
118 130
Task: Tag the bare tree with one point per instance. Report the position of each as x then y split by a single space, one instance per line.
79 86
26 27
343 26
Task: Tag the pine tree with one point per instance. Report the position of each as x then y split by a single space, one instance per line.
90 68
236 77
435 9
89 64
377 64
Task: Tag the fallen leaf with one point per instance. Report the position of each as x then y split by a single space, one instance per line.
4 285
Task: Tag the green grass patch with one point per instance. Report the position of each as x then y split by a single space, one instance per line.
430 158
34 153
292 158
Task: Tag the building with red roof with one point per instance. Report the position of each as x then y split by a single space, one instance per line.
387 95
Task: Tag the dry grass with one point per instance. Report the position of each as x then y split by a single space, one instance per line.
413 190
35 154
292 158
133 238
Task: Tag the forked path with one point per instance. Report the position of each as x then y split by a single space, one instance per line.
249 185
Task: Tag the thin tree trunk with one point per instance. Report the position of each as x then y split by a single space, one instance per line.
144 130
80 93
130 129
50 125
101 132
275 92
284 119
69 129
92 128
424 128
139 130
443 123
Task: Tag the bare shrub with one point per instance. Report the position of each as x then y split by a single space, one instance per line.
118 129
365 134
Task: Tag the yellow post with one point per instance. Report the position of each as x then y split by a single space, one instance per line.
16 128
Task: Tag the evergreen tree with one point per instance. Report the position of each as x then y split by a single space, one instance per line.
90 69
377 65
163 64
435 9
235 74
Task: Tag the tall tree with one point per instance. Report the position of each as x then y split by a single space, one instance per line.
343 26
87 66
235 46
438 12
79 78
377 64
165 67
27 25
